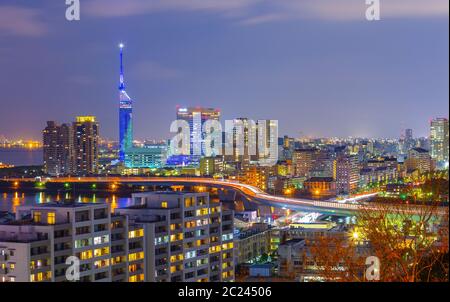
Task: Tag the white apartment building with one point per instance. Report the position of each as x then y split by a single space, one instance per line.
187 237
35 246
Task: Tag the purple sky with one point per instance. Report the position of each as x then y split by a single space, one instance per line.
315 65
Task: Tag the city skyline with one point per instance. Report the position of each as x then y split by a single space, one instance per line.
201 56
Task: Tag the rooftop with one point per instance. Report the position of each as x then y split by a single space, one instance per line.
320 179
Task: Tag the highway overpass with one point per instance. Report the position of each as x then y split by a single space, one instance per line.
253 194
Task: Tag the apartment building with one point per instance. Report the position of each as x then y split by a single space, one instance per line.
187 237
252 243
36 246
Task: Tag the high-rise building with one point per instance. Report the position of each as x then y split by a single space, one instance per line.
439 141
346 173
303 161
406 141
125 114
188 237
419 159
196 117
243 140
36 249
86 137
58 149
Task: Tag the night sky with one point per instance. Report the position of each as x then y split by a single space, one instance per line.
317 66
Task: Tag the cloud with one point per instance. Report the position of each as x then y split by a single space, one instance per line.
150 70
21 21
121 8
253 12
354 10
263 19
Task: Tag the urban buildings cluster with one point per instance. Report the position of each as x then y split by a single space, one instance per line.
176 236
317 167
71 148
162 237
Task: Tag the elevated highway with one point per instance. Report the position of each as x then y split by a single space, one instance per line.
345 206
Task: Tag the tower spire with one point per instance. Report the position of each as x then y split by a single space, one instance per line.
122 83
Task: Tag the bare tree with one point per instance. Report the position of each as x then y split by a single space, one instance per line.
410 241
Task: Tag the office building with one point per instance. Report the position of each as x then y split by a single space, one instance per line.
149 156
439 141
196 117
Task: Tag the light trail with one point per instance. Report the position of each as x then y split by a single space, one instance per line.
350 204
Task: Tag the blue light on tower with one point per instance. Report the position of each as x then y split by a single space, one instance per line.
125 114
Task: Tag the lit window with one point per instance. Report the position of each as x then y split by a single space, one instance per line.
51 218
164 204
37 217
136 233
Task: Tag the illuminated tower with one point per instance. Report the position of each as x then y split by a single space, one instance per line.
125 114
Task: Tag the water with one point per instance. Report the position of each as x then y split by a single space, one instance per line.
9 201
21 157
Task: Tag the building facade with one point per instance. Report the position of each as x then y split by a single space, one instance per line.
346 173
58 149
188 238
39 248
439 141
86 138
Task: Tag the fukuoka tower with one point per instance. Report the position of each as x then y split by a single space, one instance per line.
125 114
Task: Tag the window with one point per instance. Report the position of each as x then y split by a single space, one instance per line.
101 239
164 204
101 263
201 212
85 255
40 276
51 218
176 237
37 217
190 224
136 278
136 233
135 256
191 254
101 252
189 202
175 258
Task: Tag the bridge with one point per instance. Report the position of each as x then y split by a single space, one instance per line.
347 206
254 194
